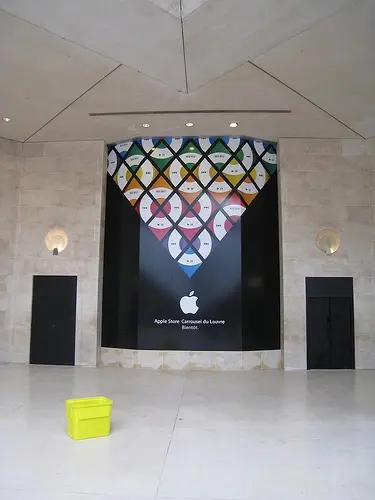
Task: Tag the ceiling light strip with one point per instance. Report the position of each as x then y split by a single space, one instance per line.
195 112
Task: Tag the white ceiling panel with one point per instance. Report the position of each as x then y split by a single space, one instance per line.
53 51
333 64
171 6
189 6
136 33
177 8
222 34
246 87
40 75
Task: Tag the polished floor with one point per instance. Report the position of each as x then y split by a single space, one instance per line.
202 435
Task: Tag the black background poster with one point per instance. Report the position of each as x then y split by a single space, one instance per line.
154 296
217 286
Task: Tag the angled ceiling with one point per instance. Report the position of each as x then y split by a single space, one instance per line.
333 64
64 59
245 86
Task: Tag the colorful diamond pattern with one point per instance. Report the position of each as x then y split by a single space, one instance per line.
191 191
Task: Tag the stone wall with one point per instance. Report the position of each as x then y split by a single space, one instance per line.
60 184
327 183
10 168
323 183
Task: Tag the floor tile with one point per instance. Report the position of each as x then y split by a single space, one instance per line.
189 436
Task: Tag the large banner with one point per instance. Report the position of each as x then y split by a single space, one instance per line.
190 195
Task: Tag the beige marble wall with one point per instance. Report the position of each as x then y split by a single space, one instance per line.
327 183
10 167
60 184
322 183
191 360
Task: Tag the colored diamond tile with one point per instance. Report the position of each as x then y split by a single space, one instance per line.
190 155
133 191
205 172
146 173
232 143
161 155
189 270
219 189
204 243
247 190
205 142
220 225
190 189
234 207
259 175
175 143
160 233
122 176
175 207
234 199
246 156
189 233
143 207
160 190
134 157
219 154
269 159
176 172
189 262
266 151
123 147
147 143
112 162
233 172
204 206
175 244
160 219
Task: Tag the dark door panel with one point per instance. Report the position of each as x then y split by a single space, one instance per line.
53 320
318 344
330 323
341 333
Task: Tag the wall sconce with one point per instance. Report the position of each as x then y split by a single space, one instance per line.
328 240
56 240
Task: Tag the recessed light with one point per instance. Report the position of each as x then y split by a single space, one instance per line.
233 124
6 119
145 125
189 124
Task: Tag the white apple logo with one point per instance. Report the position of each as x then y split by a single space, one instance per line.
188 303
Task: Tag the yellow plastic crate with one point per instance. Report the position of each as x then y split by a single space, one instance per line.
88 417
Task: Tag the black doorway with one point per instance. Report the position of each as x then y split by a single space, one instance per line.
53 320
330 323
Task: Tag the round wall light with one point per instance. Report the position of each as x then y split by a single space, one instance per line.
328 240
233 124
6 119
145 125
189 124
56 240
